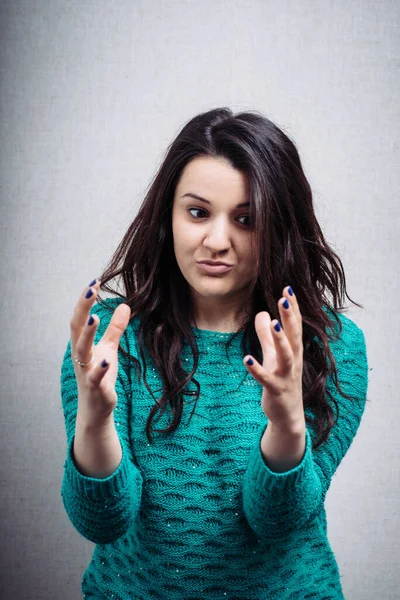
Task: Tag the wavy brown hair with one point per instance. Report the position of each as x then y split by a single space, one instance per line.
289 246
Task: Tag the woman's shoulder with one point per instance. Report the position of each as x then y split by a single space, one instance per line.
343 329
347 343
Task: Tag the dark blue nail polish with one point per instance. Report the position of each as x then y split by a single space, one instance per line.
91 320
277 326
286 303
290 291
92 283
104 364
88 294
250 361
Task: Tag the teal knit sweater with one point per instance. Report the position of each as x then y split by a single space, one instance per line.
198 515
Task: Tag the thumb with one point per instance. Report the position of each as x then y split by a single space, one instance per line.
117 325
263 328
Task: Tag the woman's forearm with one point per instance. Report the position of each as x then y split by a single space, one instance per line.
97 450
282 450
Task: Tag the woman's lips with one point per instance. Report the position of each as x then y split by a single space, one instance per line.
214 269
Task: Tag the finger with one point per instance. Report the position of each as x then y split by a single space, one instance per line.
294 304
262 324
81 312
84 349
292 324
260 374
284 352
117 325
96 374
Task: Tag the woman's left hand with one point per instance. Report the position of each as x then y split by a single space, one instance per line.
282 368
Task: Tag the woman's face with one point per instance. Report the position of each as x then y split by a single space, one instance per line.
216 228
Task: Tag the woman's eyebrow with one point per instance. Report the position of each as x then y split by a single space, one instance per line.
196 197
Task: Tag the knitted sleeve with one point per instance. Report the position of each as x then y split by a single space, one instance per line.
276 504
101 510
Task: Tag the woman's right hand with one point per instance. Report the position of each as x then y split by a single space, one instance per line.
97 397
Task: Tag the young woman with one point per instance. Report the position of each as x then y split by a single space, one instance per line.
228 334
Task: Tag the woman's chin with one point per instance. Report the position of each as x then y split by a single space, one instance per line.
213 291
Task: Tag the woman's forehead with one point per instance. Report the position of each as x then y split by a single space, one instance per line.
214 180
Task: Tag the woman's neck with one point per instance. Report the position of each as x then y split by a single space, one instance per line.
223 317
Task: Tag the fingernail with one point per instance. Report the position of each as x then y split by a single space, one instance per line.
88 294
250 361
91 320
290 291
104 363
286 303
277 326
92 283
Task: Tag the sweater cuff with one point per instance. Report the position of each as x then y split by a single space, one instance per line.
264 478
94 487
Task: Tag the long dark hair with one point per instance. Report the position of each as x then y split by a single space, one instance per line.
289 247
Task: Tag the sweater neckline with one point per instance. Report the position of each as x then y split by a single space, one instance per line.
205 337
212 331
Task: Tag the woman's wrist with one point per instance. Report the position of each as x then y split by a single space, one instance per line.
283 448
97 450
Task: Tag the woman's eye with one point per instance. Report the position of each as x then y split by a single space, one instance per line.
198 210
247 223
203 213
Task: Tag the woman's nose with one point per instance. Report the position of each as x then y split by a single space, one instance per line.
218 237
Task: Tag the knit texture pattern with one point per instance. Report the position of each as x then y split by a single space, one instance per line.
198 515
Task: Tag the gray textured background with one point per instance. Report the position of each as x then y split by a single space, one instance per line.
92 92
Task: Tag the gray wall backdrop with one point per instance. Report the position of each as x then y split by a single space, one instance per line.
92 92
